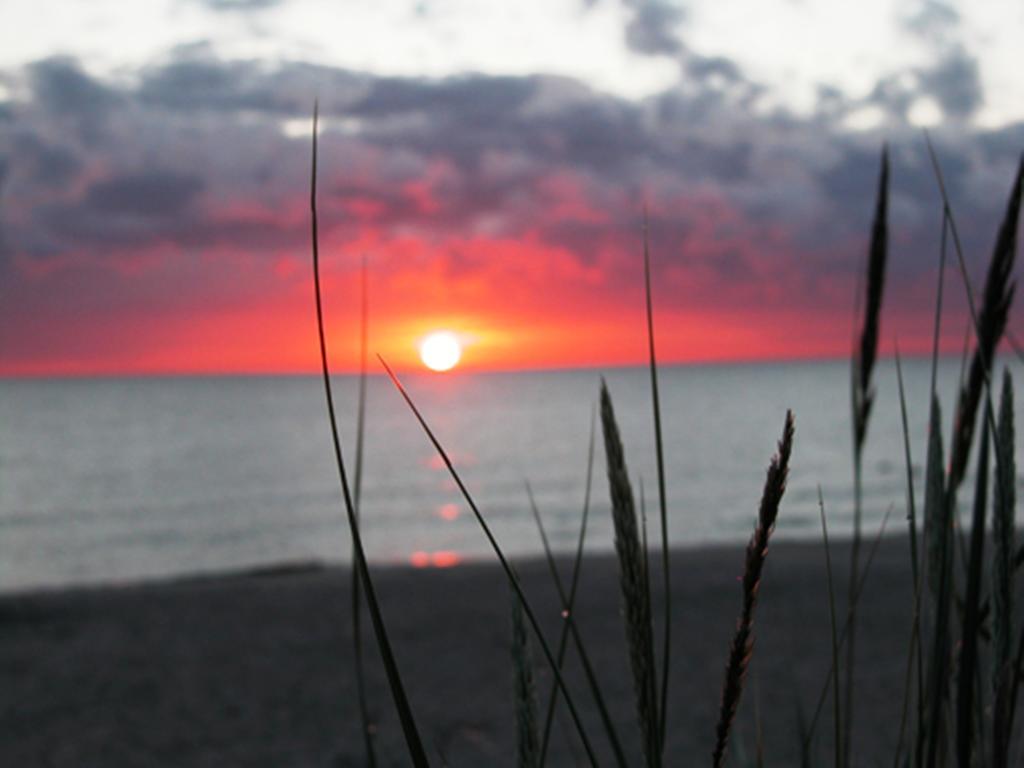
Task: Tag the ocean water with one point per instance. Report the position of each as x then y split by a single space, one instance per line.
118 479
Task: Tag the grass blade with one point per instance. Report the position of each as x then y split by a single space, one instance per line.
914 653
563 638
837 719
972 612
1003 510
633 583
566 603
862 398
865 572
662 501
509 572
412 738
527 744
357 492
990 323
757 551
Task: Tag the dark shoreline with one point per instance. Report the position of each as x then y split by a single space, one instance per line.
253 667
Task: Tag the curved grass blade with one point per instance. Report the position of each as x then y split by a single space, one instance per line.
1003 510
865 572
989 323
412 738
563 638
837 734
633 584
662 501
527 744
915 634
972 612
357 492
862 398
757 551
938 530
566 601
509 572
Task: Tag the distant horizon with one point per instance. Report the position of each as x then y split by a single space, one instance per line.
376 370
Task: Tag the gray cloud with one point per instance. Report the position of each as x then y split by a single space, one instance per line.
652 28
194 153
63 88
934 21
154 193
955 83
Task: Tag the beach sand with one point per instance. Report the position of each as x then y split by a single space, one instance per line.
255 669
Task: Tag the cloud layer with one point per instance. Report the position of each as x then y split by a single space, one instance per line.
173 200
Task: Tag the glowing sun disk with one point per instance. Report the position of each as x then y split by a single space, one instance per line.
440 351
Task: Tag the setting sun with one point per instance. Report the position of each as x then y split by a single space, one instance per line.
440 351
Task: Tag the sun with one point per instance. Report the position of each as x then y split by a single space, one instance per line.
440 350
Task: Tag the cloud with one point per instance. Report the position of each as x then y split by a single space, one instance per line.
196 160
61 87
239 5
653 28
933 21
154 193
955 83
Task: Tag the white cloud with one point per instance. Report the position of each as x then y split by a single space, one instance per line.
791 48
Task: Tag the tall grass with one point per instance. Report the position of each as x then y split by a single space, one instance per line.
634 585
659 453
527 740
566 602
357 494
509 572
757 552
405 715
862 397
956 705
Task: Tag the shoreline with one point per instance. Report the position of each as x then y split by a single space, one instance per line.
253 667
839 541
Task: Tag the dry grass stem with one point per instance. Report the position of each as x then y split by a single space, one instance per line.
757 551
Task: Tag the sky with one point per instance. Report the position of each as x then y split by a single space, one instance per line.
491 162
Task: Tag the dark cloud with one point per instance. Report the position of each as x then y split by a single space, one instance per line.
711 67
198 154
50 165
474 98
62 87
652 30
153 193
955 83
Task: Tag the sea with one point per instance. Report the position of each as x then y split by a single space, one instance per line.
115 480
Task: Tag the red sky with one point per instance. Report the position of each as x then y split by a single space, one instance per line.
159 223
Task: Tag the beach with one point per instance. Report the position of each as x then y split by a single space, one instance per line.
254 668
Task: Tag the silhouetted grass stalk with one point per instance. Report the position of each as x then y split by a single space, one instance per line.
357 488
412 738
757 551
563 638
844 632
971 619
566 605
837 735
662 501
527 745
862 398
633 584
509 572
914 652
1003 509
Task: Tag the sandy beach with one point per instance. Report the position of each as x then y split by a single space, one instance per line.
255 669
